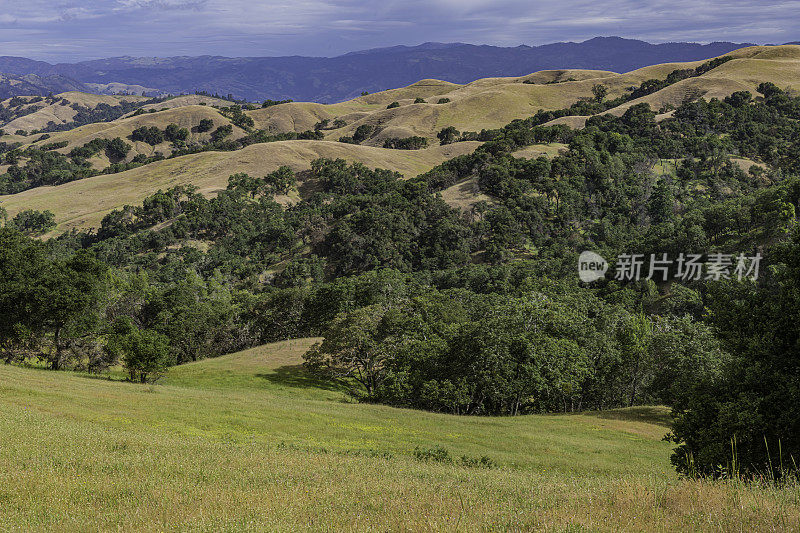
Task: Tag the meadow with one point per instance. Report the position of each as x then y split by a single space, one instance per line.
249 441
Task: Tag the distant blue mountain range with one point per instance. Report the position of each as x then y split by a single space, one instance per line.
332 79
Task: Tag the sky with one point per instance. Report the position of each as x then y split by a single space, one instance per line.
71 30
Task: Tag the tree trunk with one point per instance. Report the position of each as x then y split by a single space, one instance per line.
55 362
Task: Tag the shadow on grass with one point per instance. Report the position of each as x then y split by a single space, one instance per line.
651 414
296 376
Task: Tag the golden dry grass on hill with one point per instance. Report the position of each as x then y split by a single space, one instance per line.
486 103
493 102
59 113
187 99
780 66
186 117
83 203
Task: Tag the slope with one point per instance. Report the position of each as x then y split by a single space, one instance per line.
83 203
250 442
188 116
58 110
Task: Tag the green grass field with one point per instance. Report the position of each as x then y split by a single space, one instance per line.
250 442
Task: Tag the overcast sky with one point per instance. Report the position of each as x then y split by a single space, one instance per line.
72 30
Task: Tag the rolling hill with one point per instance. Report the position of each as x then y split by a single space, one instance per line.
249 441
38 114
482 104
141 387
83 203
494 102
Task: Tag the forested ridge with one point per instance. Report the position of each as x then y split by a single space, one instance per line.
479 312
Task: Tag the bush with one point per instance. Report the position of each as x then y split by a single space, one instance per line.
440 454
484 461
443 101
436 454
408 143
117 149
393 105
205 125
150 135
362 133
270 103
419 100
448 135
31 222
222 132
173 133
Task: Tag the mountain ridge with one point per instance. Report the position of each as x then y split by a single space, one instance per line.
335 79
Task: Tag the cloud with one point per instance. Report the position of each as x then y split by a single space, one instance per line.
79 29
196 5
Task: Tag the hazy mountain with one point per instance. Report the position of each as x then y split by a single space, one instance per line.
333 79
33 85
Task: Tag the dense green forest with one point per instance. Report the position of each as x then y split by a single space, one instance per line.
479 312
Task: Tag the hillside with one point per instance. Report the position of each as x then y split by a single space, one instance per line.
494 102
306 316
58 111
186 116
28 84
249 442
83 203
482 104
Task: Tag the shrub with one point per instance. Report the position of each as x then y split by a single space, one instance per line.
31 222
393 105
362 133
436 454
419 100
270 103
443 101
448 135
205 125
150 135
222 132
174 133
408 143
484 461
117 149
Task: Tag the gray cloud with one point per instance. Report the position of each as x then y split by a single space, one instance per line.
67 30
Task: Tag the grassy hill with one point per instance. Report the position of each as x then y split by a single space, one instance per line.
493 102
188 116
83 203
43 112
485 103
250 442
